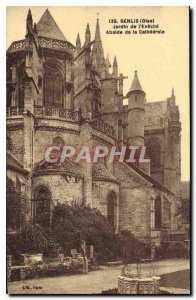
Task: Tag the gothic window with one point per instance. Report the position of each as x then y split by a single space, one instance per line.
153 150
53 87
158 212
111 209
42 201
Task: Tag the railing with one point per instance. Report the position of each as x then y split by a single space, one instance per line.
57 113
14 111
17 46
102 126
45 42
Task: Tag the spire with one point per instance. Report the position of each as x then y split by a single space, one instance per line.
115 62
29 15
97 51
87 34
135 86
47 27
115 67
97 31
35 28
173 95
29 21
78 42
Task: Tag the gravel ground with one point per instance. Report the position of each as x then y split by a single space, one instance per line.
94 282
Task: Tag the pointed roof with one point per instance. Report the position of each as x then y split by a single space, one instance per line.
78 39
97 32
29 15
87 28
135 86
115 62
173 94
67 167
100 173
47 27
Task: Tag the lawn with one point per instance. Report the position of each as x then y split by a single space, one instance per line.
179 279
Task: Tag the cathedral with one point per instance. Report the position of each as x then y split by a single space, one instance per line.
59 93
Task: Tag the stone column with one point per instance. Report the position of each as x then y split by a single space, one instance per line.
86 140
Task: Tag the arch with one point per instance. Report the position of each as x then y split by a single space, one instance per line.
153 149
42 205
53 84
111 208
158 212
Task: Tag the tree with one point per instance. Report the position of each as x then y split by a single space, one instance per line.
71 224
183 210
32 239
16 206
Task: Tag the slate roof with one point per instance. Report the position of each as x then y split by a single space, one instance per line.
135 86
150 179
47 27
67 167
100 172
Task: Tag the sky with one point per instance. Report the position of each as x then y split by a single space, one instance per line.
162 61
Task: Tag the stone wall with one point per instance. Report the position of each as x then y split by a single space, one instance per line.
43 137
61 190
16 140
101 190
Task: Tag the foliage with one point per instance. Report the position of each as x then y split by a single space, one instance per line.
129 249
167 250
71 224
16 206
47 270
32 239
183 210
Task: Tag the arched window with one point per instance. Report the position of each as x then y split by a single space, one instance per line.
153 150
158 212
111 199
53 87
42 202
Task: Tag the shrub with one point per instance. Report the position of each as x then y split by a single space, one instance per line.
32 239
71 224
